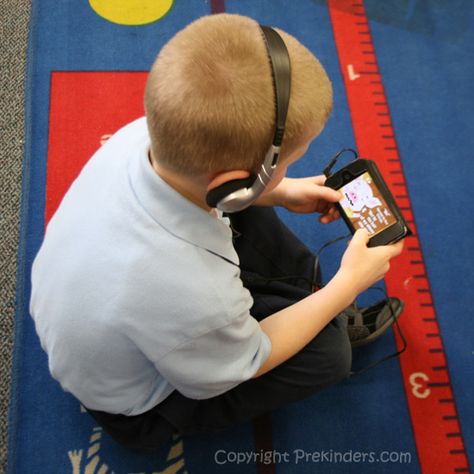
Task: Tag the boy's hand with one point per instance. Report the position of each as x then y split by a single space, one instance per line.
363 265
306 195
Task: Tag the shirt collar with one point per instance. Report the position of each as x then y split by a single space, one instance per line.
179 216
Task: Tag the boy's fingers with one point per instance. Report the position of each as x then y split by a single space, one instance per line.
319 180
333 213
361 237
391 250
329 194
329 215
397 248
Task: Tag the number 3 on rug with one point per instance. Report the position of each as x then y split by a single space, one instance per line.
417 386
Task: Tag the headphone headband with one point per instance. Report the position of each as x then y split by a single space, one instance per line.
237 195
280 62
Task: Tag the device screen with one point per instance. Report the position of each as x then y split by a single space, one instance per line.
365 206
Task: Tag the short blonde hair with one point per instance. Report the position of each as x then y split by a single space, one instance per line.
210 100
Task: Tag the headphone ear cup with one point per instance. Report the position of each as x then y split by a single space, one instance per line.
214 196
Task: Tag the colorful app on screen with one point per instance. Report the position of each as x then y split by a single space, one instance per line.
365 206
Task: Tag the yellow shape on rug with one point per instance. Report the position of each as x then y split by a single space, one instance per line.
131 12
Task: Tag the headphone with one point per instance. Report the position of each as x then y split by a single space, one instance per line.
238 194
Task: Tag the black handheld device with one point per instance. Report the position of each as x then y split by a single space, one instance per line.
367 201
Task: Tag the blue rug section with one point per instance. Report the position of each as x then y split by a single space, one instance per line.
424 50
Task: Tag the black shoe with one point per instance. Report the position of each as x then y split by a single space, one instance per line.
365 325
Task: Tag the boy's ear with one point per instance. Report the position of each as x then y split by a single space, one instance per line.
226 176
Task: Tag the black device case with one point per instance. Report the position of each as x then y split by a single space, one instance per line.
356 168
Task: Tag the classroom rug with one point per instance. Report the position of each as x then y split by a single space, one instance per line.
402 73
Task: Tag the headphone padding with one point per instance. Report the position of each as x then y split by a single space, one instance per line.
214 196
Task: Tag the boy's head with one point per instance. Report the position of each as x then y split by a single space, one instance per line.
210 100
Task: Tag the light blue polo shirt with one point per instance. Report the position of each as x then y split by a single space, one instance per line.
130 296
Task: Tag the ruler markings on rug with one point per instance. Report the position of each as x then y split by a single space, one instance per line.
426 380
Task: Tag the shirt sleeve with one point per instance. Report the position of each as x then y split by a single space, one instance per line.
220 359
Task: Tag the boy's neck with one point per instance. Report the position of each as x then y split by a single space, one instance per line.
193 189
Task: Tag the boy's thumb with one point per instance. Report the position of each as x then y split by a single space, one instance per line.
330 194
361 236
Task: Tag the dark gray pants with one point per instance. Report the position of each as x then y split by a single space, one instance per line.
278 270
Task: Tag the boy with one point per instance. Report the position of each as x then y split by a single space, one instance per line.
157 312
